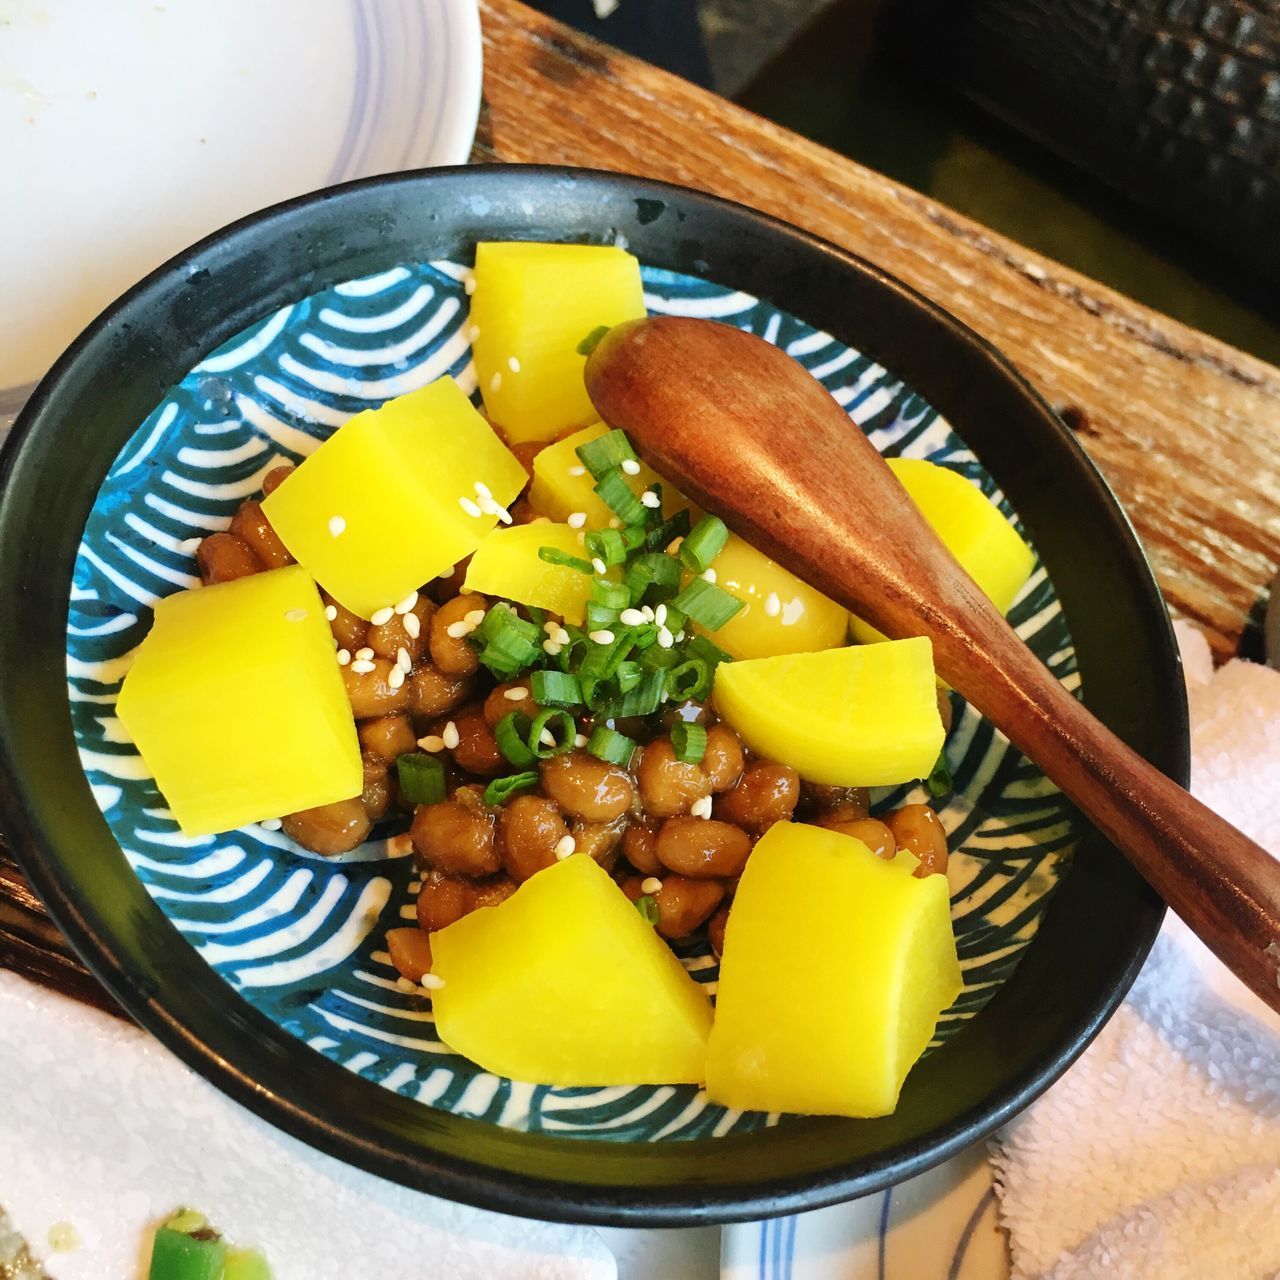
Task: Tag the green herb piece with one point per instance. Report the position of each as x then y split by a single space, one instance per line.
628 675
512 733
612 595
708 605
600 617
641 700
606 545
508 643
657 657
647 905
661 536
613 490
689 742
561 728
592 340
939 782
690 681
602 660
707 651
175 1255
610 745
605 452
555 689
652 578
246 1264
706 542
553 555
500 790
421 778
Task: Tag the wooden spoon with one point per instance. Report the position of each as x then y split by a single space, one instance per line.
746 431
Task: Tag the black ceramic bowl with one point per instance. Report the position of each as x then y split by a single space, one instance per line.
1098 926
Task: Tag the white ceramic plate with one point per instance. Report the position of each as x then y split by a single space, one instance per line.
129 129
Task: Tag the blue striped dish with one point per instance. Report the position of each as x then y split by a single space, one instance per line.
299 936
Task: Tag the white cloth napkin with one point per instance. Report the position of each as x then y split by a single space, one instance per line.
103 1128
1158 1154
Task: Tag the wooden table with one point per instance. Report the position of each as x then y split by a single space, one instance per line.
1186 429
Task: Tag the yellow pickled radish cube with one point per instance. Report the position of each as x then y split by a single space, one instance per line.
972 527
533 305
836 967
861 716
562 486
237 706
781 614
565 983
394 497
507 564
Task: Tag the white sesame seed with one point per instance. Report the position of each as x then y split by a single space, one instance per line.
483 491
665 638
547 738
600 637
331 612
271 824
647 610
344 656
650 499
495 383
577 520
551 627
577 471
679 637
403 661
475 617
190 546
408 604
412 625
431 743
405 985
565 847
431 983
562 636
772 605
457 630
631 618
362 668
337 526
651 884
513 364
295 615
474 332
708 575
579 740
365 654
395 678
674 546
469 285
515 695
599 565
382 616
550 646
614 522
701 808
660 614
631 466
449 736
469 507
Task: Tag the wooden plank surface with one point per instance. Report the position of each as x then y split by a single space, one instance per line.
1185 428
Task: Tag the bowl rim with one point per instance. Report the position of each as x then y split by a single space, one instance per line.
380 1143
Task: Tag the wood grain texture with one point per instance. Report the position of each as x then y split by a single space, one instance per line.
1185 428
680 388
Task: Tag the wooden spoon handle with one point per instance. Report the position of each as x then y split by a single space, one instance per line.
747 432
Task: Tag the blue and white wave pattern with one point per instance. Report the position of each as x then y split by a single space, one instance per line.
300 936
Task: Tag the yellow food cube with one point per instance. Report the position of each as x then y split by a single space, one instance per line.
836 967
533 305
861 716
507 564
237 706
565 983
782 614
393 498
562 486
972 527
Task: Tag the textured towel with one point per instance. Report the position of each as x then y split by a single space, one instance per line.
1158 1154
102 1128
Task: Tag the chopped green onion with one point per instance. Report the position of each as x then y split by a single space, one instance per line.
511 732
939 782
605 452
600 617
689 742
661 536
690 681
175 1255
613 595
606 545
508 643
592 340
601 660
555 689
553 555
628 675
708 605
710 653
610 745
657 656
647 906
421 778
652 577
706 542
571 654
551 721
500 790
613 490
641 700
